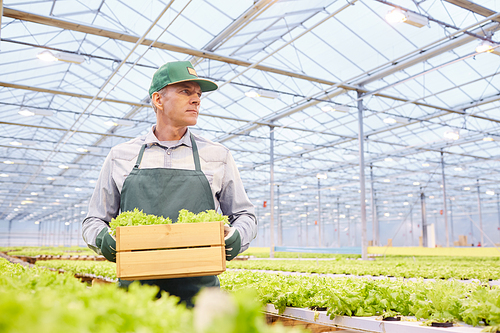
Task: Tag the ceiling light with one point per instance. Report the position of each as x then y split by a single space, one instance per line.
321 176
431 197
426 164
390 120
28 112
8 162
397 16
347 206
61 56
490 192
92 181
337 108
262 93
66 223
452 135
120 122
467 188
297 147
355 177
15 143
458 169
333 189
78 189
406 203
387 180
488 138
46 56
342 216
388 159
82 150
4 175
51 178
291 195
387 214
37 222
303 186
34 193
416 183
63 166
485 46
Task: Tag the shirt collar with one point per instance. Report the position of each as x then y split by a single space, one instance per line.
151 138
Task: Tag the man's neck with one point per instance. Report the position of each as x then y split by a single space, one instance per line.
166 133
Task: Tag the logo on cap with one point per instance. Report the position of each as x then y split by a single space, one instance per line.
191 71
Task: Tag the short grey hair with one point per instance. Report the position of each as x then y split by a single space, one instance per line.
161 91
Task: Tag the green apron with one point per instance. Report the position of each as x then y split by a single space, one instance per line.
164 192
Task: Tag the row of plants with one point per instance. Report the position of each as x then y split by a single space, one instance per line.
484 269
39 300
32 251
440 301
98 268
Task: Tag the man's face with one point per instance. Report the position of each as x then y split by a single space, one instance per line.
179 104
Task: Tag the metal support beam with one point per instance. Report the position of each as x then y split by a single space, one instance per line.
473 7
445 210
1 15
451 223
361 139
424 218
375 226
271 188
280 226
498 215
338 221
319 213
480 213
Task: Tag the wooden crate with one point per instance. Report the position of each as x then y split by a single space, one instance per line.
166 251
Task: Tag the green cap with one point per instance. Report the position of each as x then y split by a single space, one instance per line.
178 71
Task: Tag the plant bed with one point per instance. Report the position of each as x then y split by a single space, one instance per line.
170 250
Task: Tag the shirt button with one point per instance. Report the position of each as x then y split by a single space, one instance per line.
168 152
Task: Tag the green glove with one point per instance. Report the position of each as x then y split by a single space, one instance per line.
233 242
107 244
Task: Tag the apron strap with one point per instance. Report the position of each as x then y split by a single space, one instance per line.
139 158
196 156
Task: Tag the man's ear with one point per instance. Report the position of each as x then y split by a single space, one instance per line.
156 99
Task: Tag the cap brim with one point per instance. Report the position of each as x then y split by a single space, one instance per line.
205 85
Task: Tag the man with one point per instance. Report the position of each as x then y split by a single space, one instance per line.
170 169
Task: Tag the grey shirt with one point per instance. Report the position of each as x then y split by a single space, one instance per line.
216 162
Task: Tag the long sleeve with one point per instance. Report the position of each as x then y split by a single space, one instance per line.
103 206
235 204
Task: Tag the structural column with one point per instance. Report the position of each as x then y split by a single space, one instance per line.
361 140
498 213
480 214
376 229
280 226
424 223
445 209
271 189
338 220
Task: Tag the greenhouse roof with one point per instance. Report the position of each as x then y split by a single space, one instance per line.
429 100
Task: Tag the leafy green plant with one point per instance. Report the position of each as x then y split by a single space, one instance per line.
137 217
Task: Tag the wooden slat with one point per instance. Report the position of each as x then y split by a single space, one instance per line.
160 264
63 24
168 236
474 7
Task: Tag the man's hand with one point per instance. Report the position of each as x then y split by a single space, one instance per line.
107 244
233 242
